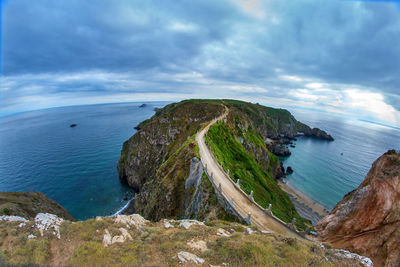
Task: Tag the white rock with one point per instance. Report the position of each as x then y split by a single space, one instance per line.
168 225
31 236
125 234
222 232
134 219
250 231
265 232
45 221
184 256
21 225
200 245
347 254
188 223
12 218
109 240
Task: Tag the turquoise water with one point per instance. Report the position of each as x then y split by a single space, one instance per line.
77 166
320 169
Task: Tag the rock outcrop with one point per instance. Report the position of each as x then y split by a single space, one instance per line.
367 220
29 204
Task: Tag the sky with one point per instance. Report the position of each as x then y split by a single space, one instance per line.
331 55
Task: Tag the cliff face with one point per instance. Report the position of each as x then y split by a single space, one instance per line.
367 220
159 138
157 160
28 204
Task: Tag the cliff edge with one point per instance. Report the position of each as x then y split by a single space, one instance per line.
29 204
367 220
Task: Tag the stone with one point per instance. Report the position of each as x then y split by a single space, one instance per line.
289 170
184 257
46 221
250 231
168 225
129 220
222 232
12 218
348 255
200 245
109 240
188 223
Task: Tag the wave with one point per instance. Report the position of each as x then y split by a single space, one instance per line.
123 208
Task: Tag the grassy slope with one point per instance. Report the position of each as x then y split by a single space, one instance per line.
241 165
153 245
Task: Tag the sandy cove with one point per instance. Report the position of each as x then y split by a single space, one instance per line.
305 206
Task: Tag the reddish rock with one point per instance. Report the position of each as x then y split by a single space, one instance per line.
367 220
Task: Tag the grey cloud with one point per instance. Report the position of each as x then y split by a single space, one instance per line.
198 47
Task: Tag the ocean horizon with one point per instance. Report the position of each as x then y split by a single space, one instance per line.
77 167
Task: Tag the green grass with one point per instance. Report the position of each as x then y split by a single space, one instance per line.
241 165
34 251
6 211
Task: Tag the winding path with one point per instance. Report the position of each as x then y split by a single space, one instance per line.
242 204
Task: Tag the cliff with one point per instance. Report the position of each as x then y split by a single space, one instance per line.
28 204
367 220
158 160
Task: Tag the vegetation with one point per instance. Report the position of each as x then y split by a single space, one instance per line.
28 204
81 244
241 165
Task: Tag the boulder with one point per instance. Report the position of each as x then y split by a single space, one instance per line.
289 170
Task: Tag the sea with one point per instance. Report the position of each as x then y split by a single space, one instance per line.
326 170
77 166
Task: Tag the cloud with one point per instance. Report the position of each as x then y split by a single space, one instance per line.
295 53
372 102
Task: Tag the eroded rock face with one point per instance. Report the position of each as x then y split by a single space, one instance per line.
367 220
159 138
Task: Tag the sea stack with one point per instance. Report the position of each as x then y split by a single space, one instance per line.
367 220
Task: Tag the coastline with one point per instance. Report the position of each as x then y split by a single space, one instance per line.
305 206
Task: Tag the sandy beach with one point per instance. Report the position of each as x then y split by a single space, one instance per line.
305 206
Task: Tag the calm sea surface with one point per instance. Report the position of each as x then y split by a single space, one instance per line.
321 171
77 166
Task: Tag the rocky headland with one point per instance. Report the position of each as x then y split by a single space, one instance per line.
367 220
165 145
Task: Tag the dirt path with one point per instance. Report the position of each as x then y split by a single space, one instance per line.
244 206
